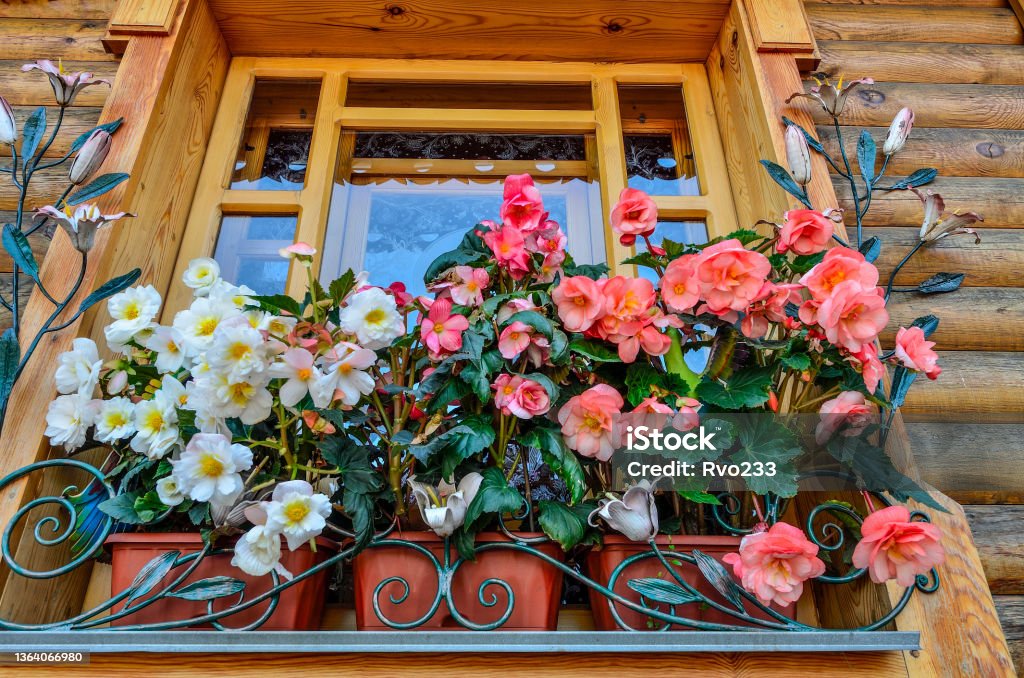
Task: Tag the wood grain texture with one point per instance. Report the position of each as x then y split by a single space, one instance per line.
547 665
779 25
56 9
1011 616
995 262
917 3
986 106
999 201
972 318
161 145
916 24
1001 545
72 39
33 88
974 387
958 152
602 30
977 462
937 62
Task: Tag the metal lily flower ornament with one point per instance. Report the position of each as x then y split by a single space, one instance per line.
832 97
935 227
80 223
635 516
66 85
444 507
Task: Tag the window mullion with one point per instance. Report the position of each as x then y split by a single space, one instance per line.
611 165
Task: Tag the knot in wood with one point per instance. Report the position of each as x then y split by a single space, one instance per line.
871 96
990 149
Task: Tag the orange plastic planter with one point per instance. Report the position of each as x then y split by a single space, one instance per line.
300 607
601 563
536 585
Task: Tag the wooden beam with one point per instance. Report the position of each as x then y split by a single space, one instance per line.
461 119
161 144
782 26
139 17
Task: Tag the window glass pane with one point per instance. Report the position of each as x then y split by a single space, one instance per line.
275 142
247 250
690 232
507 95
401 199
659 155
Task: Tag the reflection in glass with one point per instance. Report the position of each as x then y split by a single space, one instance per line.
275 142
247 251
659 155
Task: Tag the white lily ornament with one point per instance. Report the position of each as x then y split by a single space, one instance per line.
444 507
634 516
66 84
80 223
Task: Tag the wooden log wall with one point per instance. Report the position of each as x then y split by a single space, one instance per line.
70 30
960 67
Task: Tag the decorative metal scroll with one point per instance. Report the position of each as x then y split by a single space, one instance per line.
668 601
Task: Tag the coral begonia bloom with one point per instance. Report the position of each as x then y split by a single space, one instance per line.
853 316
839 265
508 245
529 400
635 214
588 421
523 208
579 302
849 411
680 287
470 290
514 340
915 352
871 368
440 331
774 564
894 547
504 388
805 232
730 275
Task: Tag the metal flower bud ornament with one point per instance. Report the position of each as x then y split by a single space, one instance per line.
90 157
8 126
899 130
634 516
798 156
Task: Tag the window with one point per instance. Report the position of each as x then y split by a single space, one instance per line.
384 164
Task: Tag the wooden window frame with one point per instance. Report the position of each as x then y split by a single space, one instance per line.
214 197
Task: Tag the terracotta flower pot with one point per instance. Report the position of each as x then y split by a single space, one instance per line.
300 607
536 585
601 563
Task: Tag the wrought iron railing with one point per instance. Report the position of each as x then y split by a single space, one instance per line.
666 601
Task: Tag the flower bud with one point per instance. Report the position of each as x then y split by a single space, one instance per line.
798 156
8 126
90 156
899 130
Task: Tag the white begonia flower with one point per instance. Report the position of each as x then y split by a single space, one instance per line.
444 508
133 311
238 296
258 553
156 421
296 366
346 374
210 468
297 512
68 419
201 275
169 345
225 398
115 420
373 317
117 382
199 321
79 369
169 492
238 351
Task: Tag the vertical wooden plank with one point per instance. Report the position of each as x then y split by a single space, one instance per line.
612 166
161 144
779 25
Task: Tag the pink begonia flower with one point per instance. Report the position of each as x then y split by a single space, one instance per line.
539 350
440 331
508 245
651 413
635 214
546 242
839 265
853 315
588 421
523 208
514 306
514 339
529 400
769 306
686 418
402 298
730 275
300 250
66 85
871 368
470 291
775 563
915 352
504 388
848 411
805 232
680 287
631 321
893 546
579 301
